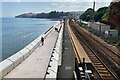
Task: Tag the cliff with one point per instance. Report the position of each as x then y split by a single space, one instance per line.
114 15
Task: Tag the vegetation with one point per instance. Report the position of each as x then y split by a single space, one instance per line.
88 14
99 13
106 14
118 45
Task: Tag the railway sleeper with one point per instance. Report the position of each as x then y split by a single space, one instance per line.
101 68
91 55
103 71
105 75
95 59
97 63
108 78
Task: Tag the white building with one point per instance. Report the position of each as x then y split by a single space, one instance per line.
111 34
102 30
99 28
84 23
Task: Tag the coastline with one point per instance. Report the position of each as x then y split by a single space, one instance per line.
13 61
18 33
36 39
52 19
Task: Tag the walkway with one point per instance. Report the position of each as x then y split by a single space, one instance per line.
36 64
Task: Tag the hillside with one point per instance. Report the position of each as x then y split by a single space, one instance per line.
99 13
109 15
88 14
114 15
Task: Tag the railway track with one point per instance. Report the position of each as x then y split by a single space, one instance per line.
106 50
103 71
109 57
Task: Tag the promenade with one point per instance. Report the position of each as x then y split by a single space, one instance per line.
36 64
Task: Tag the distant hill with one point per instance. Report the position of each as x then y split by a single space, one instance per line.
27 15
52 14
76 14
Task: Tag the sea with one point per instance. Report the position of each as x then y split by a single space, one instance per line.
16 33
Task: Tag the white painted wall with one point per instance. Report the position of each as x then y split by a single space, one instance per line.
100 27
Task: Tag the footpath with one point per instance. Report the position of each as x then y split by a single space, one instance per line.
36 64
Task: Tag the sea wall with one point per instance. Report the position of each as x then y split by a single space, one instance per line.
13 61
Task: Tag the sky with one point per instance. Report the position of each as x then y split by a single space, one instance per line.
11 8
57 0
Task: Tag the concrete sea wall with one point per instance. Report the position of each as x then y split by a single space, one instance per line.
13 61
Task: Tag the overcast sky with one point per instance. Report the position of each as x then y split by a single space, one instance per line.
11 8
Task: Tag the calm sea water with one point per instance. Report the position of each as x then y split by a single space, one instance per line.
19 32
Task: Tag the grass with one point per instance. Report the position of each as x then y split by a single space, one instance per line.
118 45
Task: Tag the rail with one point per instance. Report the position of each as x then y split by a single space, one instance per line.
79 34
77 59
110 57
